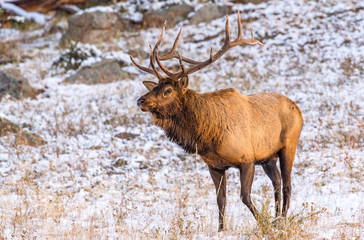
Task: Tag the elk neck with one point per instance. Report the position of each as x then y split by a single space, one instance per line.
198 124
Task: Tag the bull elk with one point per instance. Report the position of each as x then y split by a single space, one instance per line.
226 128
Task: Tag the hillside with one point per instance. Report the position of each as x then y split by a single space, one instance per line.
106 172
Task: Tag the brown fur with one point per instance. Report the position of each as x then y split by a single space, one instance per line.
230 130
197 125
202 121
226 128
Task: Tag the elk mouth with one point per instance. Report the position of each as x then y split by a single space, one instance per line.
147 108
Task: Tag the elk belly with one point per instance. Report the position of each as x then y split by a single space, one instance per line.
235 149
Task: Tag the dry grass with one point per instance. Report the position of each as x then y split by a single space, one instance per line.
186 207
106 197
86 183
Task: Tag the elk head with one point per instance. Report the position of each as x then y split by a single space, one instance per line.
163 97
166 96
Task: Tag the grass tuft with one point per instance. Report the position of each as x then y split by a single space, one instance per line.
291 227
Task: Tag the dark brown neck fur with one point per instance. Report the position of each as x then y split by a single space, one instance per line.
198 123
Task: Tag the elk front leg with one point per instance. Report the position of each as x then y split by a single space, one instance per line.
219 178
270 168
246 180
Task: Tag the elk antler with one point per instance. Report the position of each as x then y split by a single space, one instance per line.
145 69
152 57
171 54
199 65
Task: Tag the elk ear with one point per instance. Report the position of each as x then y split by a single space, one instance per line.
150 85
183 83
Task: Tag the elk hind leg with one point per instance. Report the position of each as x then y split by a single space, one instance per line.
219 179
246 180
270 168
286 157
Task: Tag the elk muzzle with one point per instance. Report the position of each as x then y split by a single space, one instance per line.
145 105
140 101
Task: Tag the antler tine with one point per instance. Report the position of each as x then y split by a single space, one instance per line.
251 41
153 70
226 46
141 67
156 46
227 30
156 50
159 76
164 69
176 41
240 34
161 37
172 53
181 63
239 40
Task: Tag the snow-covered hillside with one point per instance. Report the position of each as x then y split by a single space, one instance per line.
88 183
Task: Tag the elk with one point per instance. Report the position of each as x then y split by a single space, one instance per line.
226 128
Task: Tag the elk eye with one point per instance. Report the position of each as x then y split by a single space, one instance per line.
167 92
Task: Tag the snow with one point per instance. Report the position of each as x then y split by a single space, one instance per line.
98 9
32 16
313 54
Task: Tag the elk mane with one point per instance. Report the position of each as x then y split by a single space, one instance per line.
198 109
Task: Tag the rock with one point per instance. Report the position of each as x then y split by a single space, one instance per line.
95 27
249 1
30 139
9 52
14 84
209 12
106 71
120 163
93 3
23 137
7 127
126 135
173 15
44 6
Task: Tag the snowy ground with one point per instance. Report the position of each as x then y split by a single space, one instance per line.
86 183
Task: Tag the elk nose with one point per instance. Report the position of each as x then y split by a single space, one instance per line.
140 101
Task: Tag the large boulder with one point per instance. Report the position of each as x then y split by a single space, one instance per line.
95 27
106 71
209 12
23 137
173 15
14 84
